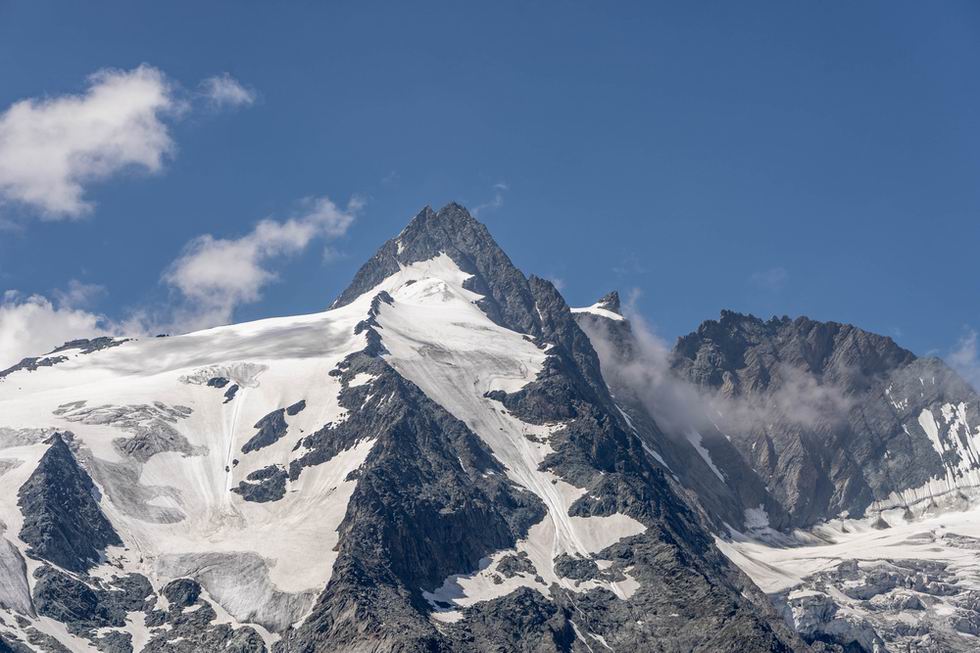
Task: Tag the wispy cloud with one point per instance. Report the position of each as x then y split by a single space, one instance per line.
646 372
214 276
496 202
79 294
771 280
965 358
224 91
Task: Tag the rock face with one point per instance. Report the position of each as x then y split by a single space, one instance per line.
452 231
73 347
796 421
435 464
679 431
63 522
779 425
432 501
845 421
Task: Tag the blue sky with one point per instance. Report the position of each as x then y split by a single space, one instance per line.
769 157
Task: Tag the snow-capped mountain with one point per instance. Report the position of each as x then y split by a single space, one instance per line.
839 470
435 463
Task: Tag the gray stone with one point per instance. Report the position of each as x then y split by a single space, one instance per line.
63 522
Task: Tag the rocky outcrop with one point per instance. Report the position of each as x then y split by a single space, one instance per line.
63 522
832 418
265 484
452 231
80 346
678 431
430 501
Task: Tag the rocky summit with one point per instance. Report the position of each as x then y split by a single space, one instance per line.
840 471
450 458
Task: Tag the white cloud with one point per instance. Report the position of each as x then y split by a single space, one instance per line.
52 148
78 294
965 359
211 277
225 91
33 325
216 275
498 199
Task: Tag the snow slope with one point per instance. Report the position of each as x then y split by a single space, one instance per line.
899 585
160 424
440 340
174 509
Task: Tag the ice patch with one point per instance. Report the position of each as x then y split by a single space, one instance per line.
243 374
695 439
597 309
240 583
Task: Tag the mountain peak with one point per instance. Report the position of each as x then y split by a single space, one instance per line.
453 231
453 214
610 301
743 345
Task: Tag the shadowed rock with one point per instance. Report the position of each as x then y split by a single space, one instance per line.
271 427
63 522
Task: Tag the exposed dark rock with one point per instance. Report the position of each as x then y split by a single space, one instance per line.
513 564
44 642
454 232
114 642
430 500
218 382
90 345
84 345
193 630
838 407
533 623
8 644
576 568
182 592
724 499
271 427
230 393
63 522
610 302
262 485
83 607
33 364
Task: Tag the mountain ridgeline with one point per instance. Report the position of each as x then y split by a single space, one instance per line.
450 458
